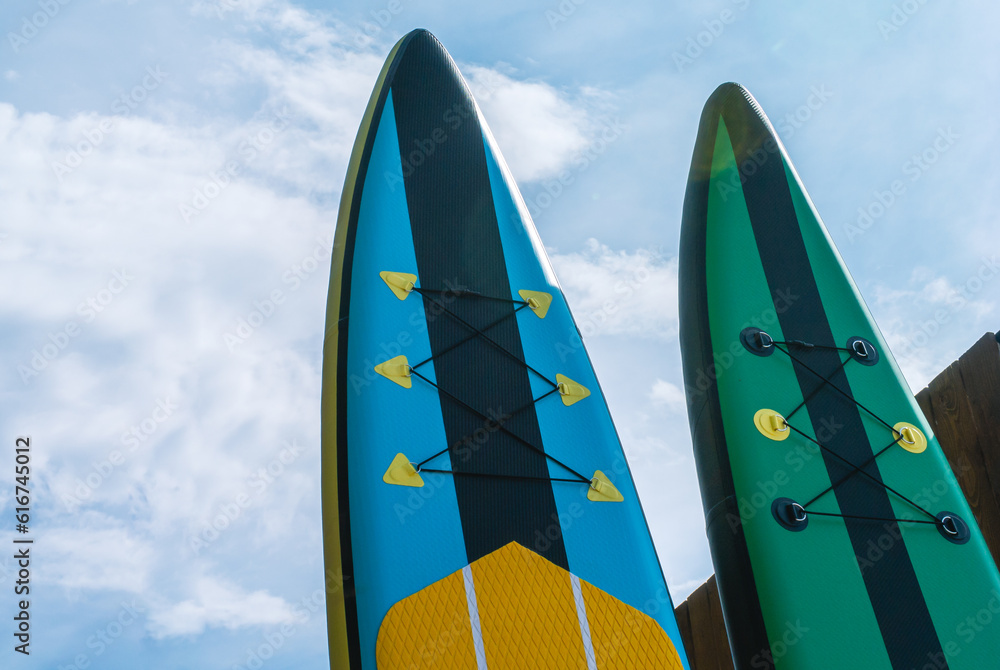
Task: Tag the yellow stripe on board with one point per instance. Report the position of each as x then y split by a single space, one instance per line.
532 615
336 608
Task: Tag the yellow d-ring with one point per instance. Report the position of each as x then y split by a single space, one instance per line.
771 424
910 438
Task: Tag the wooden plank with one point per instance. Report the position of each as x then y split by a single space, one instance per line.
950 419
924 400
705 644
946 403
684 624
980 369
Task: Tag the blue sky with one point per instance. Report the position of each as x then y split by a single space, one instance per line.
169 170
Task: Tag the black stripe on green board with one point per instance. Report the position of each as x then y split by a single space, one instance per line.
457 244
343 492
896 597
730 556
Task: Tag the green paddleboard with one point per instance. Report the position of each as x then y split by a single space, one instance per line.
839 534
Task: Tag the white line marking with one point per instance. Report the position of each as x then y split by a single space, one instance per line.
581 614
477 631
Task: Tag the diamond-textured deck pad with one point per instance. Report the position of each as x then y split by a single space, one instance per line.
623 637
430 629
528 618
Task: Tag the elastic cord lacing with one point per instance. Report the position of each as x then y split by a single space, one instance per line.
826 381
499 421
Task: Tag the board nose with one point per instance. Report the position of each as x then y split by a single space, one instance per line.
733 106
734 137
734 102
422 45
423 38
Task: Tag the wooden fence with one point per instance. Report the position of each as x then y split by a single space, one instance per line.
962 405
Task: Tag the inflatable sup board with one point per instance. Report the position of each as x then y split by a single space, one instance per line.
839 534
477 506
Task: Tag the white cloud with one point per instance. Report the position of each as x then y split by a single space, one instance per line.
620 292
927 321
221 605
538 129
97 552
162 335
666 394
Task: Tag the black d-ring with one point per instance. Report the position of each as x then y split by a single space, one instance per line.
789 514
953 528
862 351
756 341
